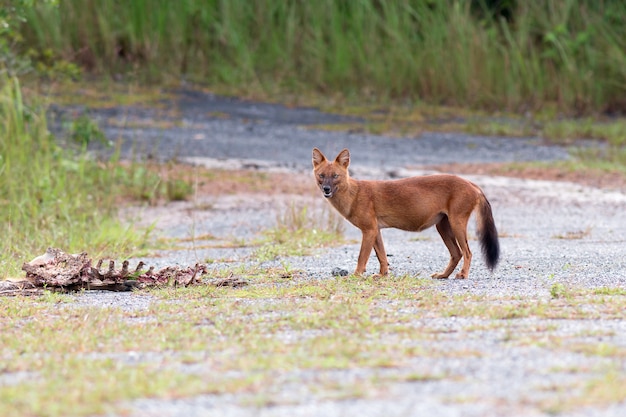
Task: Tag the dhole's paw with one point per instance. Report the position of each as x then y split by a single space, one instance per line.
460 276
439 276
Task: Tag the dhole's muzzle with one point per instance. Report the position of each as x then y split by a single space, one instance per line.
327 190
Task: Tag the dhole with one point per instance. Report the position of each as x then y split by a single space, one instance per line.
412 204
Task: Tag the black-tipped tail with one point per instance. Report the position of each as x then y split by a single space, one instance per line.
488 235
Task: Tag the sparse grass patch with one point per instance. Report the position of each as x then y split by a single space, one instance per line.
595 172
600 392
414 377
220 340
566 304
493 126
52 297
463 306
607 389
604 158
598 349
105 93
212 182
572 235
298 231
151 183
80 386
65 347
609 291
567 131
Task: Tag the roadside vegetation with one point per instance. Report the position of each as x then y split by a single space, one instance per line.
520 56
59 196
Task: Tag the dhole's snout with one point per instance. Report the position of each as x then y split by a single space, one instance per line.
327 190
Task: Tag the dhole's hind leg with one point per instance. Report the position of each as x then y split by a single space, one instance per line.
459 228
445 231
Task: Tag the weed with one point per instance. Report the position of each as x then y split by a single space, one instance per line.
84 130
559 290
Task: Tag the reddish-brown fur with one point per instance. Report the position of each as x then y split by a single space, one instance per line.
412 204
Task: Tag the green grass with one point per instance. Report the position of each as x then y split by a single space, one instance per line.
566 56
54 196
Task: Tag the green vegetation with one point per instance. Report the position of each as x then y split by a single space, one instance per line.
54 196
48 195
542 54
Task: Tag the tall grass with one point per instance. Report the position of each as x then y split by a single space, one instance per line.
565 53
50 196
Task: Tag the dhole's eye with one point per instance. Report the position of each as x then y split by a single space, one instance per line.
322 176
335 176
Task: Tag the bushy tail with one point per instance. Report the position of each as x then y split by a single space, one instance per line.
488 235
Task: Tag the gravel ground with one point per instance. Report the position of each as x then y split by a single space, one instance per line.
551 232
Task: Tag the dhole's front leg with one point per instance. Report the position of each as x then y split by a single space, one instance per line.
367 243
379 248
372 239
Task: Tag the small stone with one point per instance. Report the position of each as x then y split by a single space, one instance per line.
338 272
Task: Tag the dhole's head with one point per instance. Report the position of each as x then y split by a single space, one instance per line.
330 176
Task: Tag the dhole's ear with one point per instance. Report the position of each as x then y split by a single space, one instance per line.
318 157
343 158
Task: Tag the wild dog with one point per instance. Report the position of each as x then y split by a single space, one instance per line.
412 204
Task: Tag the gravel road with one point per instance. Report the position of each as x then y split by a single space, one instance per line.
551 232
200 125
